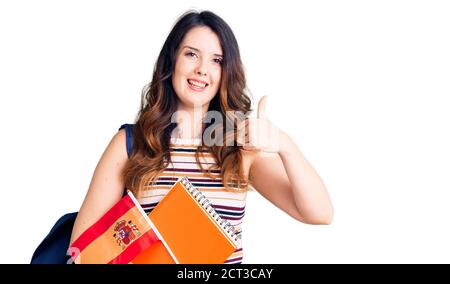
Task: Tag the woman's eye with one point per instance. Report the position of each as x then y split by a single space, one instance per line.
191 54
218 61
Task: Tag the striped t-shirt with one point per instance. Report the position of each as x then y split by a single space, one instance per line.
230 205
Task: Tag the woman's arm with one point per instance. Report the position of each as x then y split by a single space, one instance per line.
106 187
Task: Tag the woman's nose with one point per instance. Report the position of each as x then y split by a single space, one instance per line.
200 72
201 69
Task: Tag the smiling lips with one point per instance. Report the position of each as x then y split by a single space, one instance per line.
197 85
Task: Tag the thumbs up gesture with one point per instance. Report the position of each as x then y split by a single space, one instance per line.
259 134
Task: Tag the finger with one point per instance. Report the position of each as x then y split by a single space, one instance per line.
240 141
262 107
241 132
244 142
249 147
242 125
249 143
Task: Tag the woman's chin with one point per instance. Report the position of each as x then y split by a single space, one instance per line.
195 102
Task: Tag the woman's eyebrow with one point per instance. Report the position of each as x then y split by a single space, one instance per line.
198 50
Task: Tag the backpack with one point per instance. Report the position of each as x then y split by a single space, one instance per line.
53 249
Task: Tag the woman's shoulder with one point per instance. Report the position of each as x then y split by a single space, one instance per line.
116 150
119 141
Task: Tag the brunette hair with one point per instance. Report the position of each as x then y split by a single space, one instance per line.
153 126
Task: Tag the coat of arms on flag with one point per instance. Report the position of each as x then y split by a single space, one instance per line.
125 232
119 236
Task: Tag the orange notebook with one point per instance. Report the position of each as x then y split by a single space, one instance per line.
190 229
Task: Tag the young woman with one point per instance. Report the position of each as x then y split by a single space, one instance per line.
183 128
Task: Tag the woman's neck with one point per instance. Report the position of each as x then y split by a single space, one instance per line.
189 122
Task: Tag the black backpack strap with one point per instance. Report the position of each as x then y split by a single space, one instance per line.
129 135
129 138
53 249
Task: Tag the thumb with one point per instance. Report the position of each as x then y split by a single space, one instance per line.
262 107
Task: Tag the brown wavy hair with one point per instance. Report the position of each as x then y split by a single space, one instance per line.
153 123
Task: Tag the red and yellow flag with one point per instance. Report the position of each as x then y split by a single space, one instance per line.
118 237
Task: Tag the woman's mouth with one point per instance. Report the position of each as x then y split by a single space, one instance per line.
197 85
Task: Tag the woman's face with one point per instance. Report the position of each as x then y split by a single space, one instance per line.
198 68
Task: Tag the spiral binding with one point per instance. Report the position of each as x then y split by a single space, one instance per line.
206 204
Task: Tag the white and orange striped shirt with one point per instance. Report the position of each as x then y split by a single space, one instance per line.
230 205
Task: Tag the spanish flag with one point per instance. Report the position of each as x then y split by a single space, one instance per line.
118 237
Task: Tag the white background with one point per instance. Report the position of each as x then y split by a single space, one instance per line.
361 86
